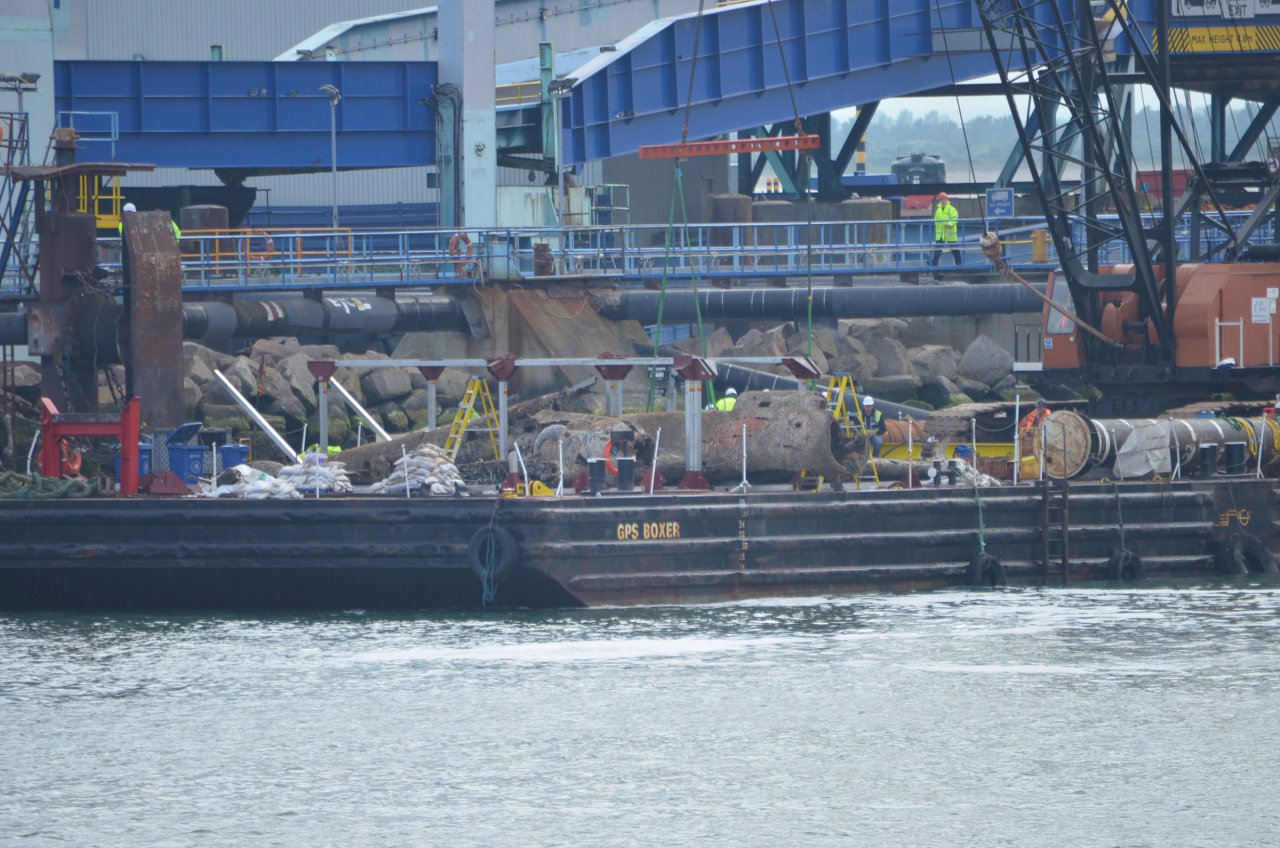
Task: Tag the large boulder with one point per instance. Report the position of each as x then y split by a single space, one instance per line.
798 345
350 380
986 362
891 357
415 406
303 385
975 389
865 328
199 371
941 393
381 385
275 351
242 374
824 339
757 343
933 363
394 419
25 375
452 382
894 387
272 351
211 358
279 398
719 342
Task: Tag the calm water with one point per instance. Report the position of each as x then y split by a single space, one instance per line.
1020 718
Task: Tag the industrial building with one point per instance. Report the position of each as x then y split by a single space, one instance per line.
38 33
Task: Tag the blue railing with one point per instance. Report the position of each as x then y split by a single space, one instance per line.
283 258
294 258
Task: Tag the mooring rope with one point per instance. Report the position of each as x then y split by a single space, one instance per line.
20 487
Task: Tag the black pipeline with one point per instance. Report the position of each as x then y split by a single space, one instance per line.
252 319
348 314
856 302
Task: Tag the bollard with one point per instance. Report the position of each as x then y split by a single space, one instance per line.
1208 461
953 471
595 476
937 472
626 473
1233 457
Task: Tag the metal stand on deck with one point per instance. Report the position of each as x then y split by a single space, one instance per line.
55 427
694 371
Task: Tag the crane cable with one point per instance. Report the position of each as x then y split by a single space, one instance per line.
991 248
808 197
989 240
677 192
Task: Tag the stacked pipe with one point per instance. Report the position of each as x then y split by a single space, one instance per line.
1072 444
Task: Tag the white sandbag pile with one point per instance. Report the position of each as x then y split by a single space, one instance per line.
313 477
967 475
425 470
253 485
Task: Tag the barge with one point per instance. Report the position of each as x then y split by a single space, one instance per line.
381 553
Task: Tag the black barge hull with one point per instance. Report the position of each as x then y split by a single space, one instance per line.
116 554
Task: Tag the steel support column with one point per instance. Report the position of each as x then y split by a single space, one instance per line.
467 61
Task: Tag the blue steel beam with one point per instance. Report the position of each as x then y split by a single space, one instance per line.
255 116
837 53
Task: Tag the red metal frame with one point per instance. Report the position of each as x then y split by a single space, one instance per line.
737 145
124 428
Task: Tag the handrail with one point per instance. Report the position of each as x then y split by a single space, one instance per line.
285 257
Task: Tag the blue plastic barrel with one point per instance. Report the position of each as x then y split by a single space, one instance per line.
232 455
188 461
144 461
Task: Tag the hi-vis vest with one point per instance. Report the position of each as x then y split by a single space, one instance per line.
944 222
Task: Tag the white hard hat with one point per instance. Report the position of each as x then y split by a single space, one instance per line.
731 393
868 400
129 207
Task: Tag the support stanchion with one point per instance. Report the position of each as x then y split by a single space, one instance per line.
744 485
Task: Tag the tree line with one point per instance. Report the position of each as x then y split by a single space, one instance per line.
991 138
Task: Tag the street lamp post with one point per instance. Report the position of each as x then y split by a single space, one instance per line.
19 83
335 97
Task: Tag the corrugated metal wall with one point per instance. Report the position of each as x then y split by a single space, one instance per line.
257 30
181 29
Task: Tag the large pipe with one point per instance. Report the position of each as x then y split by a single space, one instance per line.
745 379
212 321
855 302
1073 444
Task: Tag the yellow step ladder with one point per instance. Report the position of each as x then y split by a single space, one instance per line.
477 390
841 390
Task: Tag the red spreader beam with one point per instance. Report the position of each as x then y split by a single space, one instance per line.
739 145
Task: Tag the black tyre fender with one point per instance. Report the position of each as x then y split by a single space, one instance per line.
1242 553
506 551
984 570
1125 565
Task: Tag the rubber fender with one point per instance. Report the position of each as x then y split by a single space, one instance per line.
506 552
1242 553
1125 565
984 570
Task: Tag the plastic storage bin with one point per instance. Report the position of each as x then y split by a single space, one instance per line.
231 455
188 461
